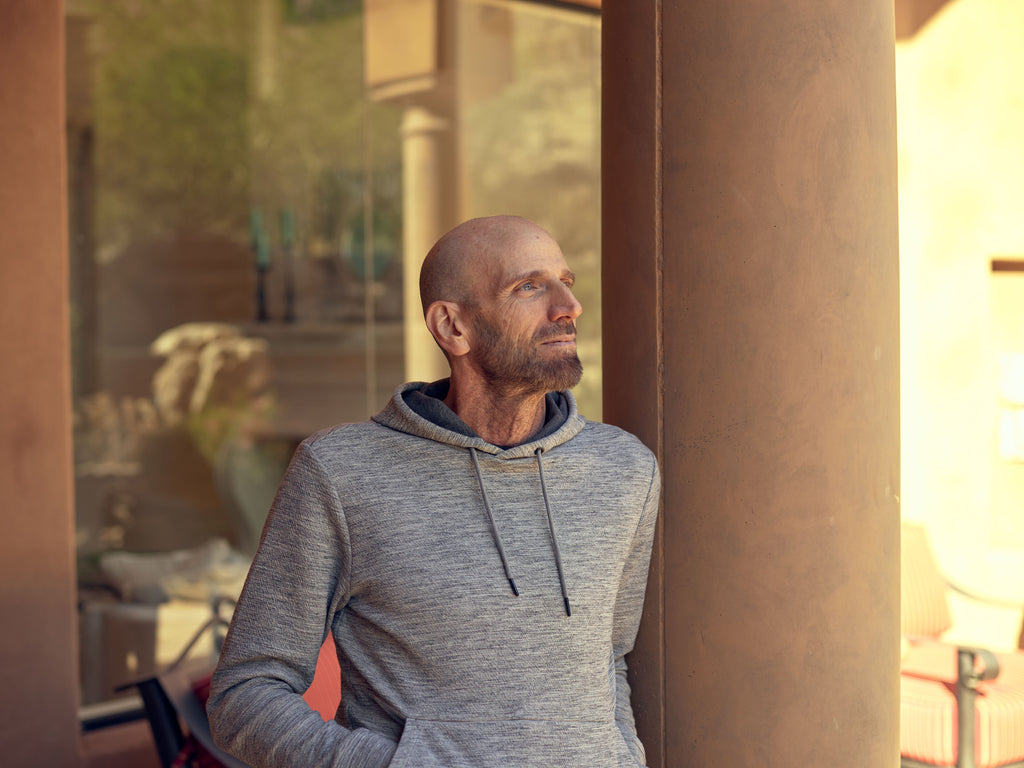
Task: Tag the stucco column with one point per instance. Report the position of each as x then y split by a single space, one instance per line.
38 648
427 188
751 334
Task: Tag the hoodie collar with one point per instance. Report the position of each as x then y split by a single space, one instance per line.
417 408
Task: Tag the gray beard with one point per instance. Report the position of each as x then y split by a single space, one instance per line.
512 370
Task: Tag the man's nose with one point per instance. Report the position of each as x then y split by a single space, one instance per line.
565 305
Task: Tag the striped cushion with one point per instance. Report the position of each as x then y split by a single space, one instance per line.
928 729
924 605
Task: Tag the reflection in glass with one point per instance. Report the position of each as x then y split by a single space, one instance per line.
238 215
530 96
235 220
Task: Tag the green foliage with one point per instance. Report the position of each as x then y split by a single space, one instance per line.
179 131
217 426
312 11
206 109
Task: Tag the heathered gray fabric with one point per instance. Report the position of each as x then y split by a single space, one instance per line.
379 535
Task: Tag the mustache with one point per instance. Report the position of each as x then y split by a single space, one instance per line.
565 328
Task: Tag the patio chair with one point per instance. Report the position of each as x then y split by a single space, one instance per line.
960 706
177 697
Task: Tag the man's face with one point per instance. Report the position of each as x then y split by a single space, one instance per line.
523 321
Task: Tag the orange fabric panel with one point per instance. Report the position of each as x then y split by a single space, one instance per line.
324 694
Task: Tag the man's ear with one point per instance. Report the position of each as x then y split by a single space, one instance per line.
448 324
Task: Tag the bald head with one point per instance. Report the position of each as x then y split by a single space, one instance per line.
446 273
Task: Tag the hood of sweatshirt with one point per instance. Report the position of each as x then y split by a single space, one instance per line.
418 409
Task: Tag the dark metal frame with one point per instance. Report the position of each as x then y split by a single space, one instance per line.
160 711
969 674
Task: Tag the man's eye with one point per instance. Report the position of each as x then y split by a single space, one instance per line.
528 286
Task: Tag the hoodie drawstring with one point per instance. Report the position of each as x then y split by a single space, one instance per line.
494 528
551 528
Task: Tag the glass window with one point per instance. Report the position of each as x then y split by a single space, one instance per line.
235 226
530 100
238 215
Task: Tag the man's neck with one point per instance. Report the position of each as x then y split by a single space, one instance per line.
498 419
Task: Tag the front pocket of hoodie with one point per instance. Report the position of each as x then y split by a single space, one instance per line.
508 744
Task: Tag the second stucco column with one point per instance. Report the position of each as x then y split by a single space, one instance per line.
39 720
751 328
428 208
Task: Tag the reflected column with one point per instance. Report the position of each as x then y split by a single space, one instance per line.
407 61
428 207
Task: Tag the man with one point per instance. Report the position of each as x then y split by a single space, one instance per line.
478 550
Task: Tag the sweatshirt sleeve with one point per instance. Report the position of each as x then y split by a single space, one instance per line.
628 610
297 581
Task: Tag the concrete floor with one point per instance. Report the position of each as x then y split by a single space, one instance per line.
121 746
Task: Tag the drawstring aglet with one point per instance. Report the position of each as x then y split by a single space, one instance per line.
551 530
512 583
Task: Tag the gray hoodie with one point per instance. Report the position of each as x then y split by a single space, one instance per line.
481 599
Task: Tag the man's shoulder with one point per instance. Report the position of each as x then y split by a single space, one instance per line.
364 448
610 437
616 460
342 431
341 437
605 431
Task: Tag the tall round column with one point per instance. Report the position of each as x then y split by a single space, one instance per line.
428 188
38 647
751 321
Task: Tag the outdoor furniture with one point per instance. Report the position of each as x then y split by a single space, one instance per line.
175 705
959 706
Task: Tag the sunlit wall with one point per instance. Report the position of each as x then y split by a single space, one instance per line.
960 90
